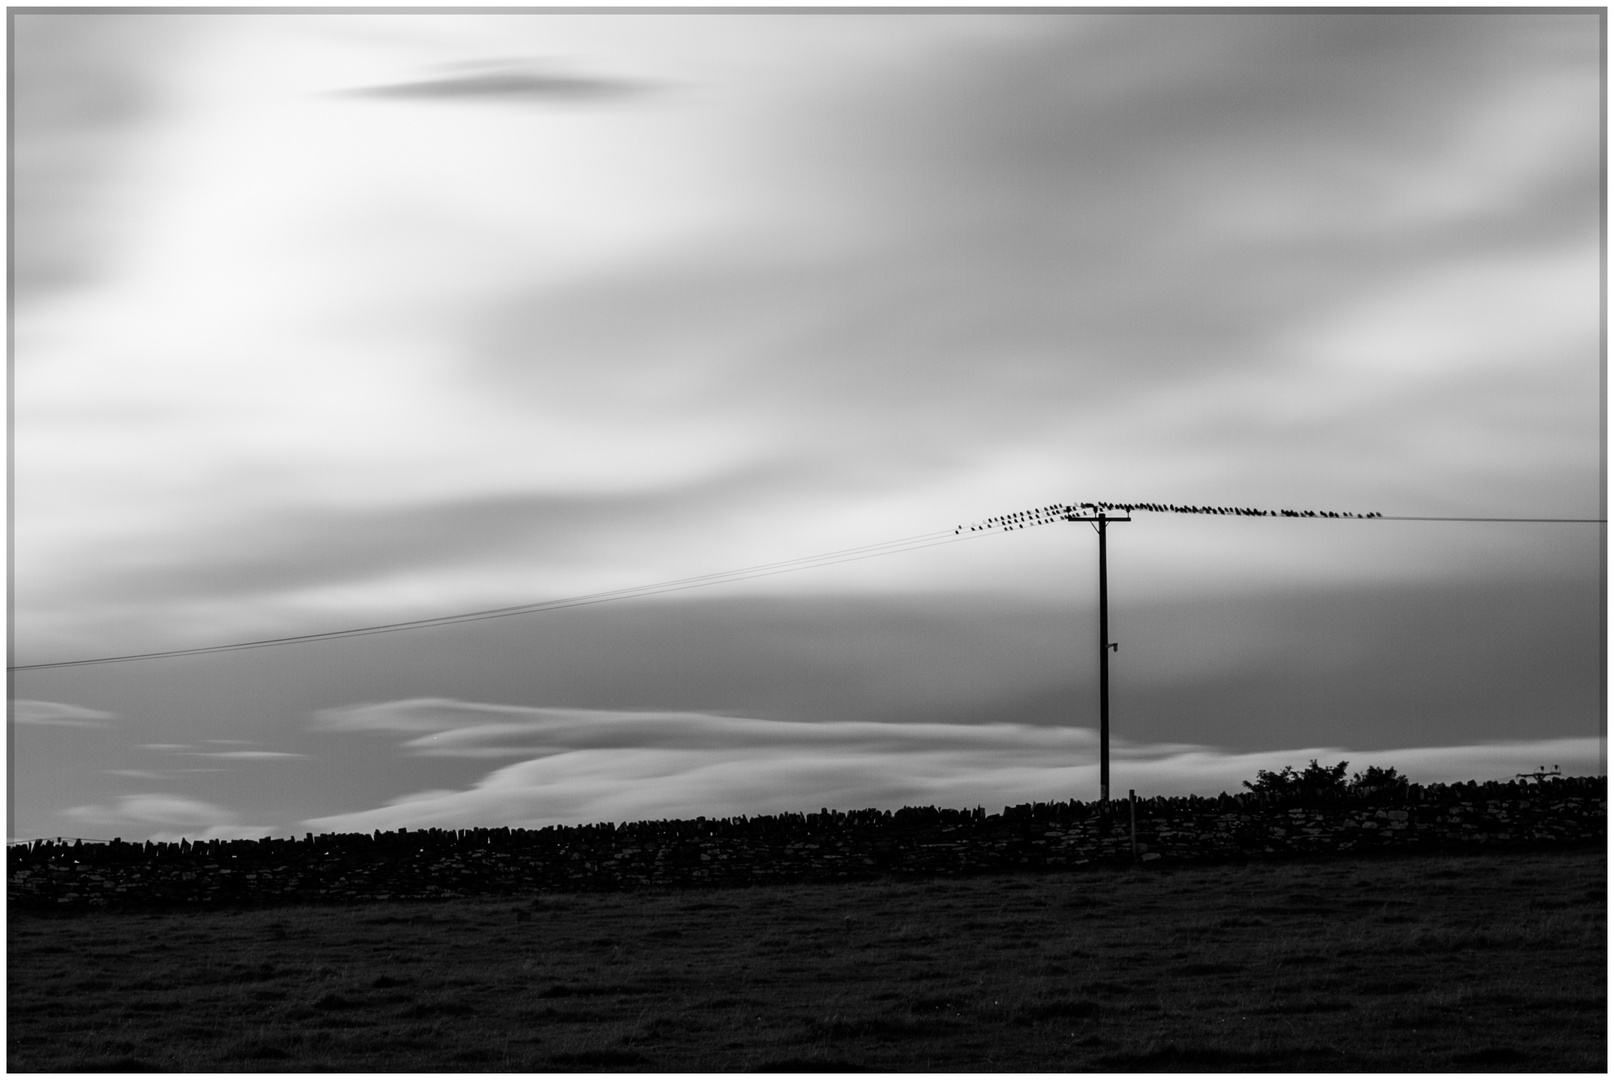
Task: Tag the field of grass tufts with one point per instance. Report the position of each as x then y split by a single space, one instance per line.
1439 963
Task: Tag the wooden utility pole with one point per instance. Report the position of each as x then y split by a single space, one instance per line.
1101 522
1103 663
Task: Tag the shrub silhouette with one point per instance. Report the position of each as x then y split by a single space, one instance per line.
1315 780
1328 781
1376 781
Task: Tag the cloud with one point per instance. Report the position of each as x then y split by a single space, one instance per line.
607 766
56 714
417 714
506 81
187 750
173 816
84 90
463 729
1070 254
248 755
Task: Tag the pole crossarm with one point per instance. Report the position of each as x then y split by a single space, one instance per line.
1084 511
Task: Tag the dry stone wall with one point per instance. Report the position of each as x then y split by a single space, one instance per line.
827 846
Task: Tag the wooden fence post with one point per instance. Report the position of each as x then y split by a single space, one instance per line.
1132 812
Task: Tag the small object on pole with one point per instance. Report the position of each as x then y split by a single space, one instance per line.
1132 812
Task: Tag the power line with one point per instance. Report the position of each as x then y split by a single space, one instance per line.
1008 522
1045 515
865 551
1577 521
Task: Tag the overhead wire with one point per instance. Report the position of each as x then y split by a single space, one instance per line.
1563 521
1019 520
1046 515
784 566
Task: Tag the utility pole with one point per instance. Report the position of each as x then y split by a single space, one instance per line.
1105 646
1104 651
1101 522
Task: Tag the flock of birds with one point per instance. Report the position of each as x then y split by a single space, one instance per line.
1042 515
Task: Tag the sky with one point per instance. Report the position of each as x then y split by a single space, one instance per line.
328 320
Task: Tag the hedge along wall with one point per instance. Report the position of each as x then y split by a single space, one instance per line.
827 846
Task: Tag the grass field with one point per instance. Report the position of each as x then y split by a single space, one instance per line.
1468 963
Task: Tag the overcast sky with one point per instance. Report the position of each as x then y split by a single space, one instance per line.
327 320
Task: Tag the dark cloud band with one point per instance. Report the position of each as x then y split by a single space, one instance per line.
510 85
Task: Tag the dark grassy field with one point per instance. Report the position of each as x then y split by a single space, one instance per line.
1467 963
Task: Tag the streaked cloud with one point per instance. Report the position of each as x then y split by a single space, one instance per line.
506 80
58 714
601 766
187 750
248 755
1207 261
506 326
87 92
455 729
166 818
